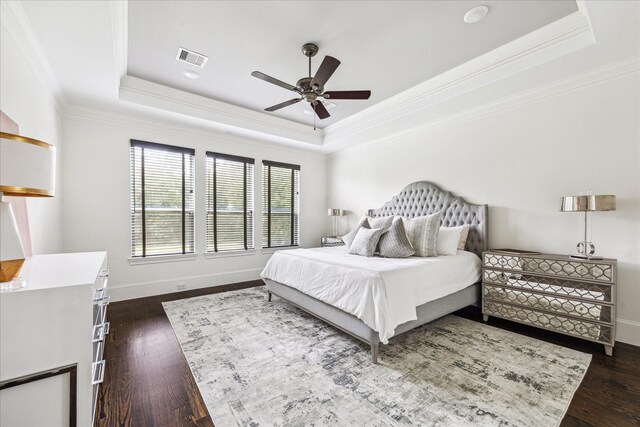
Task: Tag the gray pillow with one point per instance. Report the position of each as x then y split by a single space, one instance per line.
423 233
348 238
394 243
365 241
382 222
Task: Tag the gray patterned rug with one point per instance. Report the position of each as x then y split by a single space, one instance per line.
260 363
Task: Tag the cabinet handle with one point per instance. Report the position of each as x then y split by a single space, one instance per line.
102 330
98 294
104 273
103 301
98 367
503 277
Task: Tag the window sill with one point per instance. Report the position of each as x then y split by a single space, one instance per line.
162 258
229 254
282 248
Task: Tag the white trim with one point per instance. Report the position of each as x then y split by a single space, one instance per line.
230 254
155 259
268 251
220 114
556 39
19 27
609 74
146 289
627 331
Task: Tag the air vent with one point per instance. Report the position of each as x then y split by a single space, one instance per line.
191 57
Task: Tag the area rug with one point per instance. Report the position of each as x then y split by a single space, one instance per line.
268 363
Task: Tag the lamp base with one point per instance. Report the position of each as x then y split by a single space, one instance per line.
9 269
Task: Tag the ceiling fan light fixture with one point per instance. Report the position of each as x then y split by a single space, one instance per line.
476 14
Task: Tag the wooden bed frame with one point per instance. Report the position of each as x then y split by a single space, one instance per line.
417 199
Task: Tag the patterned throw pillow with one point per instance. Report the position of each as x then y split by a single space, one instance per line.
394 243
365 242
423 233
383 222
348 238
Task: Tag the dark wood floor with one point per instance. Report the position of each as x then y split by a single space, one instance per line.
148 382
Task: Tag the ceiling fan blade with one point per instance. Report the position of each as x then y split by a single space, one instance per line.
320 110
274 81
347 94
283 104
327 68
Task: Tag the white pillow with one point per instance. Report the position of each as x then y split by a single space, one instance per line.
449 240
463 237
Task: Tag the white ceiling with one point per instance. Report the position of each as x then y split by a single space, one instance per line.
385 46
78 49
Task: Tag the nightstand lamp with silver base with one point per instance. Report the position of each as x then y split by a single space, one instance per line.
587 203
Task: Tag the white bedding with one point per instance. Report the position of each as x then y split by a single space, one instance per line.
382 292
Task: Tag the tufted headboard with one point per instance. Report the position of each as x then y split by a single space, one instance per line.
424 198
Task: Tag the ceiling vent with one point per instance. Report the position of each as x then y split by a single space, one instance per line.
191 57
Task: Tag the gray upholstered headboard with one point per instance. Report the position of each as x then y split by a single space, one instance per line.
424 198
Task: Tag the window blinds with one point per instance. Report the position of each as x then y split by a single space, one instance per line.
280 204
229 202
162 199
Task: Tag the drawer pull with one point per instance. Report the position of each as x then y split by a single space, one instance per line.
98 294
103 301
98 372
100 331
503 277
104 273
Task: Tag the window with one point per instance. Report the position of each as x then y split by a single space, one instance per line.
229 203
280 204
162 200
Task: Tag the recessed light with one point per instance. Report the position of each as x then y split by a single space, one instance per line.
476 14
191 74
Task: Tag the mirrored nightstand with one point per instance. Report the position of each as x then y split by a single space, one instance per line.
331 241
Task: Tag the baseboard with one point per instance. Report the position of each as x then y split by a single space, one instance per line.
628 332
147 289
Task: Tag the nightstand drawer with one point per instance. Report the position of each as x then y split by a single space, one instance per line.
331 241
554 303
566 325
509 262
597 292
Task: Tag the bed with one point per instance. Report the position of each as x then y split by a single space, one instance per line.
315 278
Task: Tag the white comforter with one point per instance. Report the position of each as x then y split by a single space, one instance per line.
382 292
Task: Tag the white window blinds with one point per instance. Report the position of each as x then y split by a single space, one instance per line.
280 204
162 199
229 202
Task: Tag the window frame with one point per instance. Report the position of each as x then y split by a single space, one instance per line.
295 202
136 143
245 161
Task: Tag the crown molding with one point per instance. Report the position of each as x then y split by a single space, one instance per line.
182 131
15 21
609 74
556 39
221 114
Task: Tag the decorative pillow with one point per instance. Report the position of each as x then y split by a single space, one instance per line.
463 237
348 238
382 222
448 240
423 232
365 241
394 243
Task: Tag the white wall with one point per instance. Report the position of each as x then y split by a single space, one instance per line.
26 99
520 162
96 209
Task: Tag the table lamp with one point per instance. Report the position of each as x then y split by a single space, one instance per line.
335 213
587 203
27 169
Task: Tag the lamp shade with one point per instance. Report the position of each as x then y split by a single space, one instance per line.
335 212
27 166
588 203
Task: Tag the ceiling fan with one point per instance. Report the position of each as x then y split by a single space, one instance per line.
310 88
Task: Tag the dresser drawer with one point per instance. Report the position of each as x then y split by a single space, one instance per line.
510 262
597 292
576 327
595 311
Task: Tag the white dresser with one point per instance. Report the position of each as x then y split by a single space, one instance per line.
51 336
